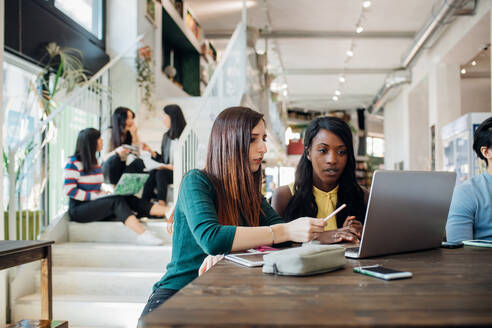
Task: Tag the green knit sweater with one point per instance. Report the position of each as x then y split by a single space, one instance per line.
197 231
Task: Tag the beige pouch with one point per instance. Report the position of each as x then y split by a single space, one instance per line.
305 260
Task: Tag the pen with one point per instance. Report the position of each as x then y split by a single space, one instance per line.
335 212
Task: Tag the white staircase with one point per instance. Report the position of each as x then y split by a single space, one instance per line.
101 278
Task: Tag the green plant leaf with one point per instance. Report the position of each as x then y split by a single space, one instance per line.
5 161
57 77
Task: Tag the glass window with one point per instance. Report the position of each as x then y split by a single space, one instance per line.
87 13
21 113
287 175
375 147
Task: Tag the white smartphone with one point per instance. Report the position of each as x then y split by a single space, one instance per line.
380 272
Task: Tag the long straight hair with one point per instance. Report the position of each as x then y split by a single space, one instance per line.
227 165
118 123
303 203
178 121
85 150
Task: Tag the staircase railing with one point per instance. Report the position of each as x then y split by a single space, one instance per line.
225 89
35 186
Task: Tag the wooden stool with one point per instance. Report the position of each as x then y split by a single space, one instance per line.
39 324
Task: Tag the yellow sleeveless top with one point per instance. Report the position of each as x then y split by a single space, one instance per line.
327 202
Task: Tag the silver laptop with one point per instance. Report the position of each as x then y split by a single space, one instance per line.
406 211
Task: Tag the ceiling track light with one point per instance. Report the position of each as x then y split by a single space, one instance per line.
474 63
350 53
463 71
359 29
366 4
335 98
337 92
341 79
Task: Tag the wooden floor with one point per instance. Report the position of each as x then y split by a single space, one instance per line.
450 287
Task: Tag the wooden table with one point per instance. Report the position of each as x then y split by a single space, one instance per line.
13 252
450 287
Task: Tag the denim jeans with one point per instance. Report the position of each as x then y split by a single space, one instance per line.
158 296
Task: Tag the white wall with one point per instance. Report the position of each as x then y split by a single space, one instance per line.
374 126
439 64
475 95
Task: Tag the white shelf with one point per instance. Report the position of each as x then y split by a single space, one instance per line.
169 8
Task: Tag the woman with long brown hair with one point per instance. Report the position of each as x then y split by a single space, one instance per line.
220 209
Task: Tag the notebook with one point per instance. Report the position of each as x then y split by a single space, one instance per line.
247 259
130 184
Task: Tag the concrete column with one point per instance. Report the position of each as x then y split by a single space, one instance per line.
444 100
396 132
418 127
121 31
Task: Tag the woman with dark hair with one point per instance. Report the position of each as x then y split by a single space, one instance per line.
160 178
220 209
124 140
470 213
324 180
83 179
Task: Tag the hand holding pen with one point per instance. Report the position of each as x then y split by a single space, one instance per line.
350 232
341 207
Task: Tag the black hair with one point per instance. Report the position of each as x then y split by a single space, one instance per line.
303 203
118 122
483 138
85 150
178 121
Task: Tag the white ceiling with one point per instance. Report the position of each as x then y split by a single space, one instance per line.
311 64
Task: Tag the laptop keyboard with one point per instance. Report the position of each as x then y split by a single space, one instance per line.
354 250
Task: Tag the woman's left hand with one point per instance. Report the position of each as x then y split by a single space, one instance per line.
352 224
208 263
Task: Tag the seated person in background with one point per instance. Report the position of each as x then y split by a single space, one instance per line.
220 209
324 180
123 132
160 178
83 179
470 214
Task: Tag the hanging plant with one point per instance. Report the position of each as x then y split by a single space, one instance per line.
145 74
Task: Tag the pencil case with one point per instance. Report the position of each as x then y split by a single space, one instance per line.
305 261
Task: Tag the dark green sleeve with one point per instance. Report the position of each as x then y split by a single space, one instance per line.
269 216
198 205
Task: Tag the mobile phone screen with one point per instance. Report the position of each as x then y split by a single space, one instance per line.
380 269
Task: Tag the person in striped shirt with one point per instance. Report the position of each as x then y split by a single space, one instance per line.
83 179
